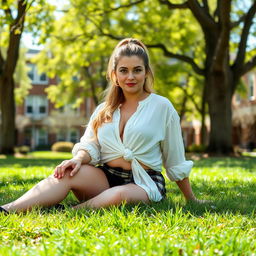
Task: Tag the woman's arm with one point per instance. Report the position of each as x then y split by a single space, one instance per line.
185 188
83 156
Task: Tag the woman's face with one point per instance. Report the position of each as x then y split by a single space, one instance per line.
130 73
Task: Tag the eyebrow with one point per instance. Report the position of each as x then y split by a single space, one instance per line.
133 68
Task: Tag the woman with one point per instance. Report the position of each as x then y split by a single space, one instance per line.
128 138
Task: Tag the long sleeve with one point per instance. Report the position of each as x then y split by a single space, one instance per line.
89 142
177 168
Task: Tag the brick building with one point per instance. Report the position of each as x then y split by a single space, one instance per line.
244 114
39 124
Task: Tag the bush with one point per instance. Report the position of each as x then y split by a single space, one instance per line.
62 146
196 148
22 149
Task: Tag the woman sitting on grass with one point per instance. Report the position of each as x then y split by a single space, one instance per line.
128 138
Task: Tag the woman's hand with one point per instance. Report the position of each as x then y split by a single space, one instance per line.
73 164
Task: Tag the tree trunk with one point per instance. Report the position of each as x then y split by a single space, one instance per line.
203 130
7 100
219 96
7 103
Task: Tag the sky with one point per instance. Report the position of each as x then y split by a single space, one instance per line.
27 39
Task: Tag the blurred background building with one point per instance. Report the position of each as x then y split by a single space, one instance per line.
39 124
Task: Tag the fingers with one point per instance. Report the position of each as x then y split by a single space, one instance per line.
75 170
60 169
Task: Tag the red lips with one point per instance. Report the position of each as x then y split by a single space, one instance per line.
131 84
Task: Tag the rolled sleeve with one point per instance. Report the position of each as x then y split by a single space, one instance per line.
92 150
176 166
179 172
89 142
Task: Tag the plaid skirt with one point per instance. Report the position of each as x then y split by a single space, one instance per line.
117 176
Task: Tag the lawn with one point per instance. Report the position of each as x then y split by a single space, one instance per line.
226 226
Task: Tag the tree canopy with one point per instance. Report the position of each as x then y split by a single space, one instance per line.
199 50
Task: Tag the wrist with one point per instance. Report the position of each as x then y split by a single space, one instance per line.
78 158
82 156
191 198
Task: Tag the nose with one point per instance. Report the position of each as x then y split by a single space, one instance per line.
130 75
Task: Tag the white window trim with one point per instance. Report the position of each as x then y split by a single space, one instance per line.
36 114
36 76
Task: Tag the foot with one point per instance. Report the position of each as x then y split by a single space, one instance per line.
56 207
3 210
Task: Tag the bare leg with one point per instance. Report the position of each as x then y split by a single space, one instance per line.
129 193
87 183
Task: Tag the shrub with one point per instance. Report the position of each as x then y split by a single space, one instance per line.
196 148
22 149
62 146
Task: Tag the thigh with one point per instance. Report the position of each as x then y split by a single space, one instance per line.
88 182
131 193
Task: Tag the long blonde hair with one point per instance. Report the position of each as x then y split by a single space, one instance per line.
114 95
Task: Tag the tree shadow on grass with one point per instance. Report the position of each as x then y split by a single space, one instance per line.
28 162
235 197
236 201
7 191
249 163
16 180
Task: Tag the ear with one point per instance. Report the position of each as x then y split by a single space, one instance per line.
114 78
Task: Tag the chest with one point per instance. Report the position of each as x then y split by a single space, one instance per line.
133 128
125 114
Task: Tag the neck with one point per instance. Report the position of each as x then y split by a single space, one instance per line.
131 98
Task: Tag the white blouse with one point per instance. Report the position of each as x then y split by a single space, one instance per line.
151 136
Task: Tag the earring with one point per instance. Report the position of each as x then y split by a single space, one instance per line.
117 83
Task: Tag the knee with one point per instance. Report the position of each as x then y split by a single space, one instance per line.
121 194
65 178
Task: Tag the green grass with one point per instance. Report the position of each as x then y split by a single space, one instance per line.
227 226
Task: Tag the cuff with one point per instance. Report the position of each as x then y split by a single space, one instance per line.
94 153
180 171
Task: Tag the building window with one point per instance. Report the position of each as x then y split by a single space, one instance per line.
68 109
73 136
35 77
36 106
61 135
28 136
31 72
42 137
29 109
42 109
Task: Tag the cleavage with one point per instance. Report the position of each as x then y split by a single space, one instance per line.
125 116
